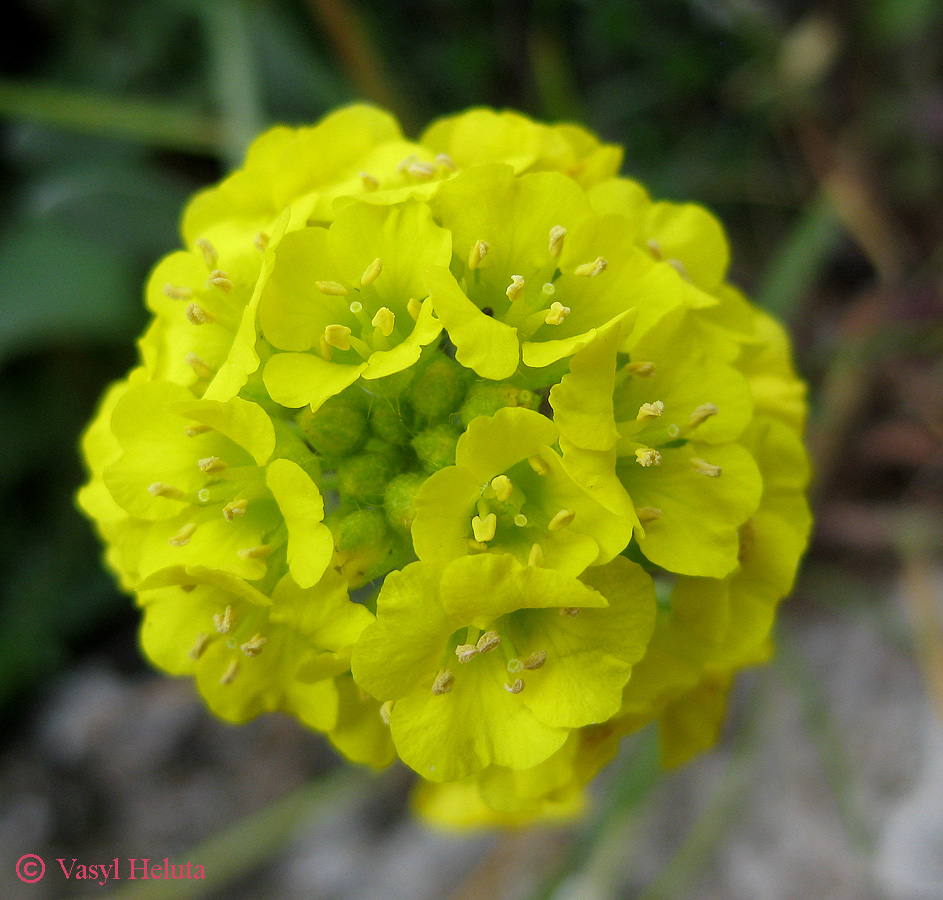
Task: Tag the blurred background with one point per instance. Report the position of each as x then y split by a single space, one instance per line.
814 129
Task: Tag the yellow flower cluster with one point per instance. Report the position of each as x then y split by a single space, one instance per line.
461 451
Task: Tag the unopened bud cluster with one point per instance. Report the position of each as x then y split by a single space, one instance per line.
460 450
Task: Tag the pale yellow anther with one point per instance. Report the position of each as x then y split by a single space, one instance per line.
331 288
591 269
536 556
404 164
642 369
196 430
557 313
515 288
218 278
502 487
261 241
325 349
466 652
259 551
223 621
338 336
701 414
539 465
488 641
199 365
484 528
372 272
229 676
159 489
385 710
210 256
569 610
515 666
646 457
421 170
196 315
443 682
535 660
647 513
178 292
654 247
253 646
678 266
705 468
557 234
235 508
199 645
516 687
561 519
478 253
369 182
211 464
413 307
385 320
444 160
182 537
650 410
520 520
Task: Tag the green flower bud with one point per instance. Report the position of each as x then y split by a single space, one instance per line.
337 429
485 398
398 500
365 548
435 446
438 391
389 423
364 477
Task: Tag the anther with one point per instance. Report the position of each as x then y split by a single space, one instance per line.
561 519
516 687
196 315
678 266
477 253
443 682
223 621
182 537
235 508
484 528
646 457
385 320
466 652
199 645
591 269
444 160
705 468
210 256
385 710
218 278
703 412
372 272
211 464
642 369
253 646
421 170
159 489
535 660
196 430
331 288
654 247
177 292
557 234
650 410
199 365
540 466
369 182
259 551
502 486
647 513
404 164
413 307
338 336
556 314
261 241
488 641
515 288
520 520
229 676
536 556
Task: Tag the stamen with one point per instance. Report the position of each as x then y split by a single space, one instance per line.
422 170
569 610
477 253
210 256
385 320
466 652
235 508
702 413
444 160
413 307
404 164
538 465
218 278
502 486
557 234
199 365
515 688
557 313
372 272
196 315
159 489
196 430
488 641
199 645
261 241
520 520
548 289
385 710
650 410
182 537
229 676
484 528
655 248
678 266
177 292
338 336
369 182
253 646
259 551
331 288
443 682
535 660
536 556
324 349
705 468
211 464
647 513
223 621
563 518
642 369
591 269
515 288
647 457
